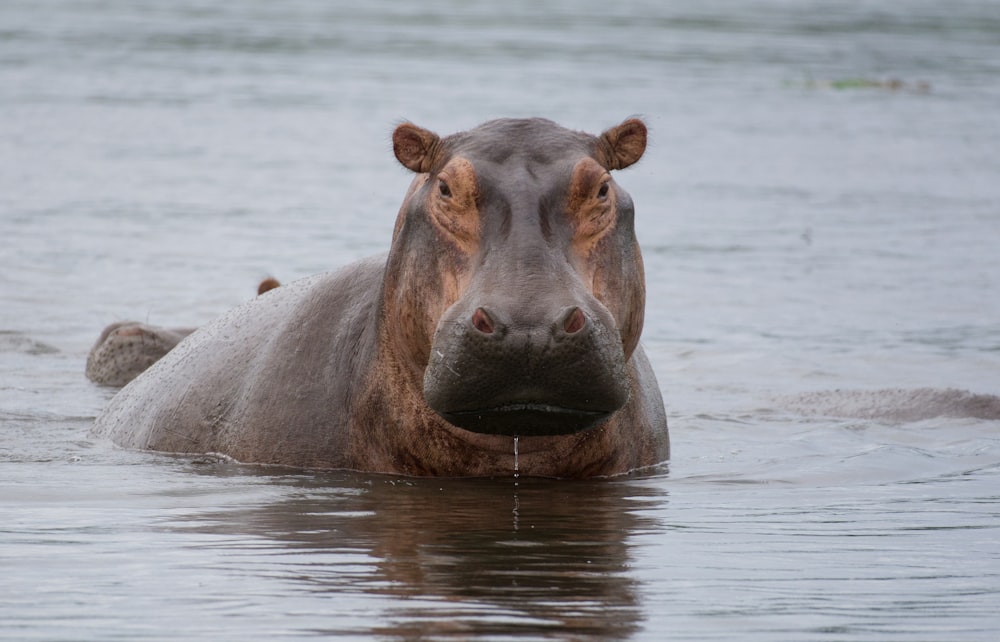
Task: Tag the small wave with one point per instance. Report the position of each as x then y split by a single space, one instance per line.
14 341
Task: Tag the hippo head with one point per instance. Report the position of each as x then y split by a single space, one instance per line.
514 287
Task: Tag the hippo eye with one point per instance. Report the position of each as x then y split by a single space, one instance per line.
443 189
603 192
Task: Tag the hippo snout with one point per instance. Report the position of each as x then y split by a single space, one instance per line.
505 372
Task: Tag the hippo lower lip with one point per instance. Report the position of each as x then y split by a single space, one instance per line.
526 419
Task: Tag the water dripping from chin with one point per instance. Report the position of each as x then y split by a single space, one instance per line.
517 503
516 473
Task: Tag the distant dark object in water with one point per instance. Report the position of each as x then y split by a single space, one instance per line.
892 84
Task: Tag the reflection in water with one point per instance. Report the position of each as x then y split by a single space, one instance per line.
483 557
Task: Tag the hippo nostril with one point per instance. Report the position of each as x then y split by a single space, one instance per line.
481 321
574 321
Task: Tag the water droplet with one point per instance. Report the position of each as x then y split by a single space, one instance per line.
517 502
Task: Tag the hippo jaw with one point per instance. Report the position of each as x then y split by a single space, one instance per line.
520 379
529 418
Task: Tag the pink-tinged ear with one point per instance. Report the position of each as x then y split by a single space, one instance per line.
267 285
621 146
416 148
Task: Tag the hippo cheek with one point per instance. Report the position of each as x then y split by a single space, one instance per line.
486 375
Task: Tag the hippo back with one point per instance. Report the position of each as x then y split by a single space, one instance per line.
268 381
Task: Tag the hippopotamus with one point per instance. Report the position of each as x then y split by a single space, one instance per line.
499 333
127 348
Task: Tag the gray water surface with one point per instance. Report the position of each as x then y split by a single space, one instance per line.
819 210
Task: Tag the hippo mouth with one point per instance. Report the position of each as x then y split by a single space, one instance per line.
527 418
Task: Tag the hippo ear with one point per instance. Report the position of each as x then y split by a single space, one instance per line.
416 148
620 146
